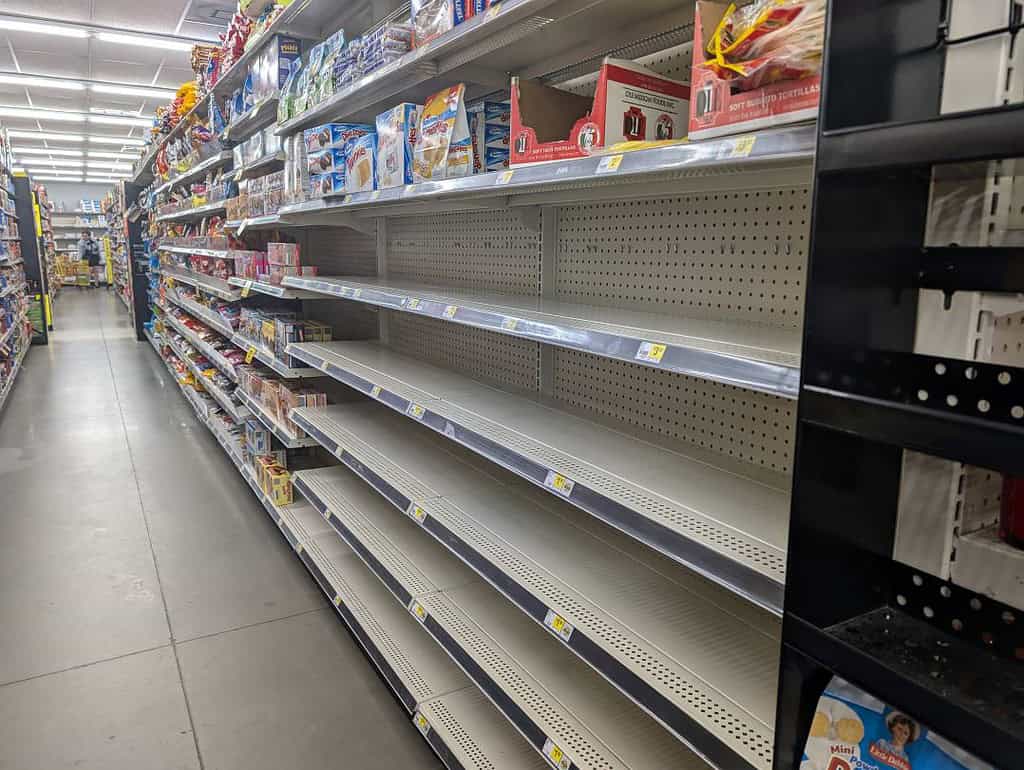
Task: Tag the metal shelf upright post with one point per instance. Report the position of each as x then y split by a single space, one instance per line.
874 400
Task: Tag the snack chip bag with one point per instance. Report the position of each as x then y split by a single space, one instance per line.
443 148
853 730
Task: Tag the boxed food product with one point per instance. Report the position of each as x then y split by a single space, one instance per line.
443 148
257 438
396 135
283 253
498 113
360 164
431 18
332 135
331 159
327 184
496 136
755 66
631 103
273 65
496 159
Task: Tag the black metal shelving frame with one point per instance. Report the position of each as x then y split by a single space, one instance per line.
880 133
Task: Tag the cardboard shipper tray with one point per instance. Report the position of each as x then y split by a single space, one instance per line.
631 103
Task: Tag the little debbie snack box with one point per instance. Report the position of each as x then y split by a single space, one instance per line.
396 137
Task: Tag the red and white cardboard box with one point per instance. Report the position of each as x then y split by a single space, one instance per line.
716 110
631 103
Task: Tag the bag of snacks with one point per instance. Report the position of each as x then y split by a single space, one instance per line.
443 148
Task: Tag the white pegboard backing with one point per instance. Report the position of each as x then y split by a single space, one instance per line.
1008 340
750 427
728 256
673 62
341 251
483 355
480 250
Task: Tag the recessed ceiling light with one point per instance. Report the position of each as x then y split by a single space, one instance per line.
127 140
29 80
120 120
144 40
155 93
47 135
43 29
43 151
34 114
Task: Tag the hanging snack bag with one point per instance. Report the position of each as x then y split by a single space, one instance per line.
396 136
443 148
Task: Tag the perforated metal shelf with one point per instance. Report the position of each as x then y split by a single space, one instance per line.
261 164
270 289
719 699
270 423
563 709
196 212
208 283
696 508
204 314
215 358
751 356
253 223
465 727
766 160
267 357
196 171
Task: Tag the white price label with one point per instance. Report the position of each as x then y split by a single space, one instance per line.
609 164
559 483
421 723
449 311
415 410
418 610
556 756
651 352
509 324
559 625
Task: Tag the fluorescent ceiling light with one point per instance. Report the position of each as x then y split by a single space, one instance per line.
116 155
155 93
43 29
17 169
144 40
109 164
44 151
119 120
45 162
34 114
126 140
53 137
28 80
43 178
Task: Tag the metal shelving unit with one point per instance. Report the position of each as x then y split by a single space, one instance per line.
272 290
204 314
196 212
203 347
208 283
271 423
726 526
197 171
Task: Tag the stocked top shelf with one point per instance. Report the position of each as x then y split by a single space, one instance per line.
215 358
218 253
517 540
519 36
208 283
746 355
207 316
222 397
724 519
196 171
766 159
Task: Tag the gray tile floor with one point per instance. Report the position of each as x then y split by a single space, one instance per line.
151 616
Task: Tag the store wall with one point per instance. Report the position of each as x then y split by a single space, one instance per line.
70 193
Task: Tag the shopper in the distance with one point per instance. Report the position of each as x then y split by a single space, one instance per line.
89 251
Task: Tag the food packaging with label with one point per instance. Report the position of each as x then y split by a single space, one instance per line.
396 135
443 148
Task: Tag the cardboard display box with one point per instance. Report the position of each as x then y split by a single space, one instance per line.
716 109
631 103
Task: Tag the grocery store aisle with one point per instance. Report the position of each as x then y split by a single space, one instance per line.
151 615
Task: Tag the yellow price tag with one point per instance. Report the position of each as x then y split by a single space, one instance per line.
413 304
493 11
559 483
417 513
357 293
504 177
557 757
375 391
449 311
651 352
337 600
421 723
418 610
375 195
562 627
250 354
346 200
742 146
246 288
170 282
509 324
609 164
415 410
